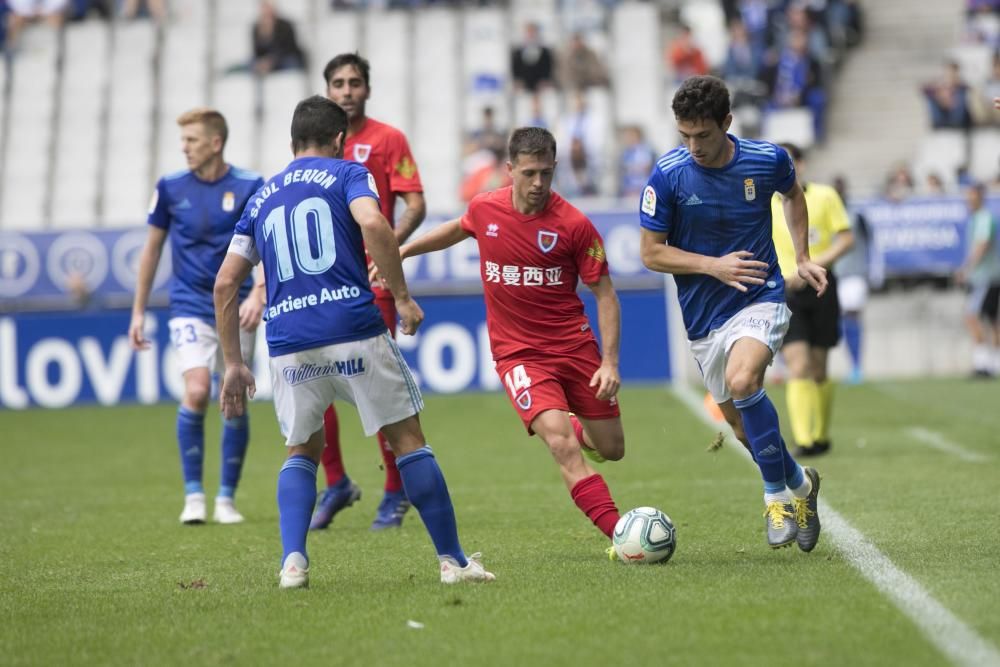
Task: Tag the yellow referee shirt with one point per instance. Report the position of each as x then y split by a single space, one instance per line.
827 218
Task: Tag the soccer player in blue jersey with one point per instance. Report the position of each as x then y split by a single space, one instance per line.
706 219
197 208
309 227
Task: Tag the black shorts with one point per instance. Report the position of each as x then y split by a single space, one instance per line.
984 302
815 320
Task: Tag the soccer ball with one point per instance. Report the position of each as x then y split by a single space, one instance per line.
644 535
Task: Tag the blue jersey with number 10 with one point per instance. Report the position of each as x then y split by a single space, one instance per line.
300 226
715 212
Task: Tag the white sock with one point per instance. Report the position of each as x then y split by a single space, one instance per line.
804 489
781 497
981 358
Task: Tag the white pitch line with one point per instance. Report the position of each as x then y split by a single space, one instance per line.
941 443
953 638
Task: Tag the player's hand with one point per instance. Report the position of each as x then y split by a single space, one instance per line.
815 275
410 315
373 276
795 282
607 380
136 333
250 311
738 269
236 384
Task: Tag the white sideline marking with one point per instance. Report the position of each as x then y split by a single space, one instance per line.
953 638
941 443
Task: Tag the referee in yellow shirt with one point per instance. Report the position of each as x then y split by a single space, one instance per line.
815 323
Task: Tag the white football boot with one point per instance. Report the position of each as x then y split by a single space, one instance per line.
226 512
451 573
194 508
295 572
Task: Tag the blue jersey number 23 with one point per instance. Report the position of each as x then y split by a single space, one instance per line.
311 217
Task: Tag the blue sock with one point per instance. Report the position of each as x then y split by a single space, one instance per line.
235 437
425 487
852 336
191 442
296 497
794 476
760 423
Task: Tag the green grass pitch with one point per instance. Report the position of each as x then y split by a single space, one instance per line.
97 570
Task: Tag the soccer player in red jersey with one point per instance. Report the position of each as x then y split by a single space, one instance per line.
534 246
385 152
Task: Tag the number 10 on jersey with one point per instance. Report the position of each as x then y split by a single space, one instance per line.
310 218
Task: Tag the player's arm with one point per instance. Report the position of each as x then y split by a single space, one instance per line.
793 204
238 379
737 269
412 216
443 236
148 261
252 307
609 322
384 251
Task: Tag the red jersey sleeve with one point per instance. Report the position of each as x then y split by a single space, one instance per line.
591 261
469 217
403 174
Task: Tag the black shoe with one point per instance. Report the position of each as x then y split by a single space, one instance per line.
800 451
820 447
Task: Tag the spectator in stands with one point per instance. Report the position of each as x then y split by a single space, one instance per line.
537 118
155 9
684 58
531 63
579 66
900 183
743 66
947 99
980 272
584 134
488 137
636 162
23 12
933 185
798 19
794 81
79 10
275 47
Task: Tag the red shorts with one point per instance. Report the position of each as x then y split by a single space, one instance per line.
387 306
538 383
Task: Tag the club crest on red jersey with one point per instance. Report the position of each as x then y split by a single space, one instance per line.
361 152
547 240
524 400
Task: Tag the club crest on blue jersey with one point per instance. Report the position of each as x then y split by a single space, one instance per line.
749 191
228 202
547 240
361 152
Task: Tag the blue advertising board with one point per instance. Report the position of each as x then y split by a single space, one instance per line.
60 359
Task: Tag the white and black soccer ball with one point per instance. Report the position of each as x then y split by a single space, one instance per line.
644 535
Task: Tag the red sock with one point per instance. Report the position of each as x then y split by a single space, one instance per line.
593 498
578 430
393 482
333 462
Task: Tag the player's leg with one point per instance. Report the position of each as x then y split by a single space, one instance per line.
388 399
801 392
735 421
605 436
596 423
825 334
340 491
296 497
235 439
973 324
394 504
195 356
852 291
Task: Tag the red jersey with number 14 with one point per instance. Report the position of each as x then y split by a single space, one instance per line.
530 265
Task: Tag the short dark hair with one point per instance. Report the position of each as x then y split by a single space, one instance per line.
702 98
354 59
316 122
531 141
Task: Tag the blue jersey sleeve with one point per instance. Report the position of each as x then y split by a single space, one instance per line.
784 171
359 183
655 209
159 207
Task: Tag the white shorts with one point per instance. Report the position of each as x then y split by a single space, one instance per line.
852 292
197 344
766 322
37 7
369 374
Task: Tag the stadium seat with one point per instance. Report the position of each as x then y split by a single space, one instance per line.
708 27
941 152
983 162
436 140
281 92
636 67
974 61
793 126
183 80
235 99
392 83
336 32
485 69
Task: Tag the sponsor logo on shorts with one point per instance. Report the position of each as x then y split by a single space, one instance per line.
307 372
757 323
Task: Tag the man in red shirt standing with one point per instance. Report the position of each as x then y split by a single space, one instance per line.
385 152
534 246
